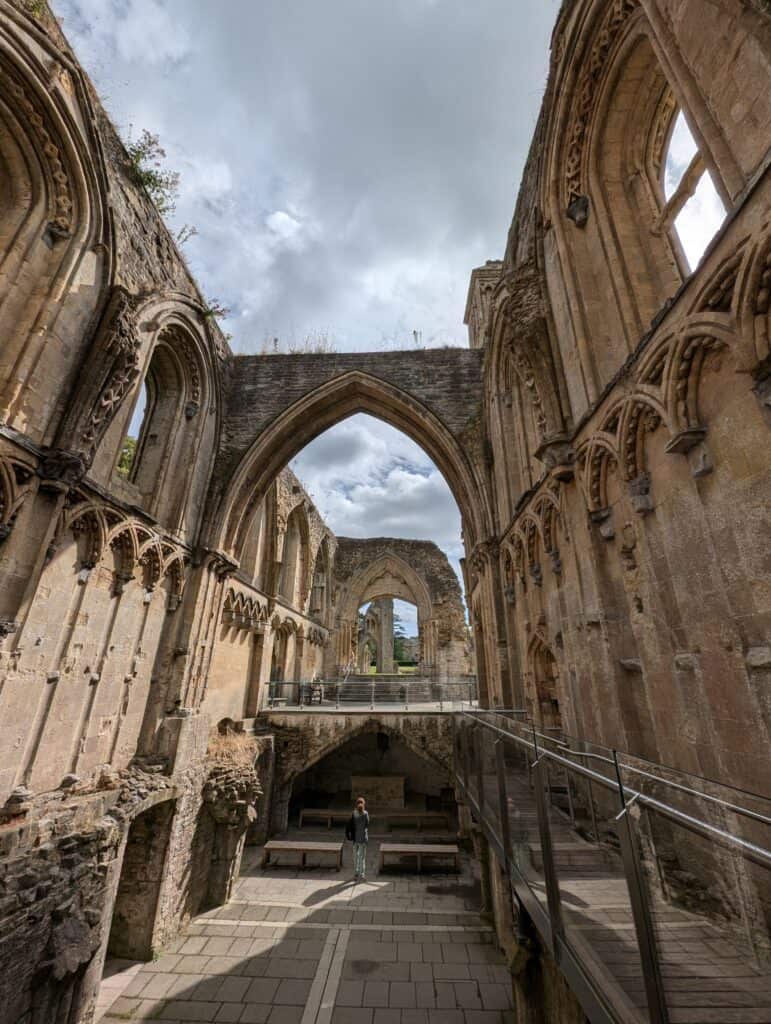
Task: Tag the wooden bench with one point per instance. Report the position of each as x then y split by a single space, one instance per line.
328 815
325 814
277 846
419 850
418 818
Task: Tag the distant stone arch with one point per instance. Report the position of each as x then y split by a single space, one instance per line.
411 570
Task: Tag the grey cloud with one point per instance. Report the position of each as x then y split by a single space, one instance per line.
346 165
393 133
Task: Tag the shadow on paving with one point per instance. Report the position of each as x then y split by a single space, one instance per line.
270 956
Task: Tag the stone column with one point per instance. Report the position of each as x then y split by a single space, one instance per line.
363 659
345 636
385 654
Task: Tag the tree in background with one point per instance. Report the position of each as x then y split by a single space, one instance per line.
399 637
126 459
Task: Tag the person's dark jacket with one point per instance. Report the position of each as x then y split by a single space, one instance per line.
357 831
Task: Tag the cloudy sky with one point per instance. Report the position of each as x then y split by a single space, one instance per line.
345 164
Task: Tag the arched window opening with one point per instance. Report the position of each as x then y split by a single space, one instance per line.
253 558
320 586
692 209
129 448
165 429
653 204
164 391
294 559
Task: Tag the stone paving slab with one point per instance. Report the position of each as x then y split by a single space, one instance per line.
299 947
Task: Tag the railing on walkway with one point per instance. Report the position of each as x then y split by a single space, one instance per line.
650 887
388 695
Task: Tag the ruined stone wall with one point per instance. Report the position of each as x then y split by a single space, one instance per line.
105 589
606 441
630 472
410 570
255 619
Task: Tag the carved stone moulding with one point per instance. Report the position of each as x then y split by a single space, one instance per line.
683 441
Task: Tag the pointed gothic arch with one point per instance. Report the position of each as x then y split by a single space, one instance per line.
322 407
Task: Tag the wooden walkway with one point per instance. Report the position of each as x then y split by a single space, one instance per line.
708 978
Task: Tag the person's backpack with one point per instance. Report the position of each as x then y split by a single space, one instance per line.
350 830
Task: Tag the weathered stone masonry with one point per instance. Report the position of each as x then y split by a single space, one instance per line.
605 436
412 570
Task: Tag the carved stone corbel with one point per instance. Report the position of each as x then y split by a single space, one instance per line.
61 470
603 518
639 494
557 454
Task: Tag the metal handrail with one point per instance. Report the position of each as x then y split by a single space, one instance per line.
757 853
626 753
725 804
403 691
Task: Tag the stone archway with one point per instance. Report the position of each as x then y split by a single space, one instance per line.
134 925
432 396
377 569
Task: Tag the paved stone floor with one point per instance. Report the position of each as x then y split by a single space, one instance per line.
313 947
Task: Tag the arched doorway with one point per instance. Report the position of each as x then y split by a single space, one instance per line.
133 931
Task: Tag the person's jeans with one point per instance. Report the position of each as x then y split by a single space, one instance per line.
360 859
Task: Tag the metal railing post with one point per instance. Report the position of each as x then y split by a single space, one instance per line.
569 786
372 696
643 924
547 857
638 898
503 801
466 759
478 743
592 811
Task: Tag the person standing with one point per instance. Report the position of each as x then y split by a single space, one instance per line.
357 830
